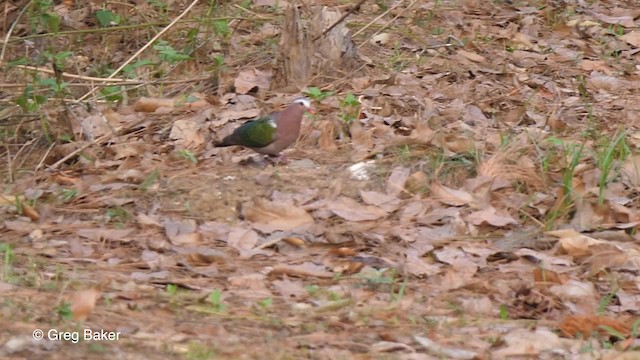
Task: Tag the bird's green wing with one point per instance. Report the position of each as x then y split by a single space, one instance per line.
257 133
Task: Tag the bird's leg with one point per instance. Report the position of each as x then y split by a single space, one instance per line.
278 159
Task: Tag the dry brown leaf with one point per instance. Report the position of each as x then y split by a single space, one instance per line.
574 243
269 216
187 133
290 290
306 269
145 104
472 56
624 20
249 79
193 238
351 210
327 141
242 239
450 196
631 169
490 216
387 202
231 114
548 276
417 266
524 342
101 234
397 180
632 37
586 325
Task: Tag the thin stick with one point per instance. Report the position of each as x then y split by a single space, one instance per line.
6 38
391 21
9 163
74 76
351 11
378 18
80 149
45 156
142 49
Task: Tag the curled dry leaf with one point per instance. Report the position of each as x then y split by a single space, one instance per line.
574 243
305 269
145 104
450 196
269 216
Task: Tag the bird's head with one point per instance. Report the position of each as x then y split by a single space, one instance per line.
306 103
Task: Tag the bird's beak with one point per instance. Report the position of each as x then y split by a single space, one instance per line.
311 110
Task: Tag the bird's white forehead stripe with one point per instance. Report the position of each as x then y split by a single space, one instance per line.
304 102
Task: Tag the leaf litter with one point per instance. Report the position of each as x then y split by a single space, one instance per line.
477 204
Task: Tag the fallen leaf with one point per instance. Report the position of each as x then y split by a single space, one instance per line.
491 217
450 196
268 216
351 210
397 180
249 79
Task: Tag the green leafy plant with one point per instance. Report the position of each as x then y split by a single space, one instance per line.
349 109
67 195
149 180
615 149
64 311
172 289
317 94
117 215
197 351
222 29
42 16
159 5
215 299
264 304
188 155
504 313
167 53
107 18
6 256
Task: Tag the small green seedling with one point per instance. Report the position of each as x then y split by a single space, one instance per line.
215 298
317 94
349 109
64 311
188 155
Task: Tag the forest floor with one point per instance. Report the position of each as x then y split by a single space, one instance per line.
468 191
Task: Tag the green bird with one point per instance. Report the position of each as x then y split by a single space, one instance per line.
271 134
